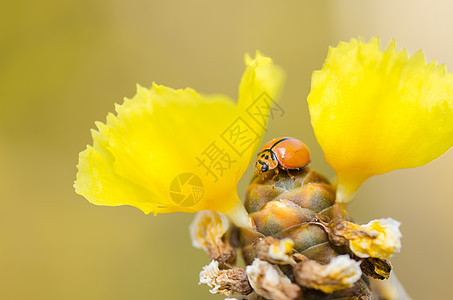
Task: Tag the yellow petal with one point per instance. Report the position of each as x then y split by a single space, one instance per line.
374 111
171 150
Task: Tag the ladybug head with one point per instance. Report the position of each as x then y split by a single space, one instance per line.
266 161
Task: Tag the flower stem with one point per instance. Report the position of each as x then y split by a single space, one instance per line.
238 215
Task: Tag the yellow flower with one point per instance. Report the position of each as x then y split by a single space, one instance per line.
171 150
379 238
374 111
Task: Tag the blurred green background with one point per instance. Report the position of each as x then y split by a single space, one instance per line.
63 65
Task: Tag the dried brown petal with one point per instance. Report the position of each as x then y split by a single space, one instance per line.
269 281
274 250
225 282
376 267
208 232
299 257
342 272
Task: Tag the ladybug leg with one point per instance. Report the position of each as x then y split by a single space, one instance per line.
290 175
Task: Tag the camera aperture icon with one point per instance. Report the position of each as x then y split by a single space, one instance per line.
186 189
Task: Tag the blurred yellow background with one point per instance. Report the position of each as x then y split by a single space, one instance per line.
63 65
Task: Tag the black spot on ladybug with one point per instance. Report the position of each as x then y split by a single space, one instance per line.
267 157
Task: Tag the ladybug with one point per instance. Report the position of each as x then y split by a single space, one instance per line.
282 153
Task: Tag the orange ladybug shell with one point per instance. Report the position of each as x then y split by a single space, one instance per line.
290 152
